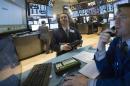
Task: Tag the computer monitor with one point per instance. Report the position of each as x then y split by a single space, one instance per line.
12 16
54 26
104 20
35 27
112 23
111 16
87 18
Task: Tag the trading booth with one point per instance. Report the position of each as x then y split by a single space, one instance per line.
91 14
19 39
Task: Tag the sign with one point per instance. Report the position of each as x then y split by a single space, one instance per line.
36 9
110 8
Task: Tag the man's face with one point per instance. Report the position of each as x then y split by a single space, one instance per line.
123 22
64 19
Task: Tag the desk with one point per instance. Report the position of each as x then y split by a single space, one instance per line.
56 79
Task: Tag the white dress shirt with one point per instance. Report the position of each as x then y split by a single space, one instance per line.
62 45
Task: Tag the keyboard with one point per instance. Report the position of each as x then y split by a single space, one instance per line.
39 75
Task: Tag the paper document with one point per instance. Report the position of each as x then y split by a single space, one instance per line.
84 56
90 70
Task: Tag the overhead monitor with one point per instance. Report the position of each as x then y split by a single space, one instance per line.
103 9
35 27
75 14
104 20
87 18
54 26
110 7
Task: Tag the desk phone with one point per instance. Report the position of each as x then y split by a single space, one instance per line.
76 43
63 66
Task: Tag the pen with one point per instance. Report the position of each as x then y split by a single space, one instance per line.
62 78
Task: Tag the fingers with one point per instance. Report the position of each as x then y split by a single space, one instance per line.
104 37
68 83
75 80
68 78
67 47
73 76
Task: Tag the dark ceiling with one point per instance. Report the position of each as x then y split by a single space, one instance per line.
44 2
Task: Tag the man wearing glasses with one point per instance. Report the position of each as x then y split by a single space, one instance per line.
114 64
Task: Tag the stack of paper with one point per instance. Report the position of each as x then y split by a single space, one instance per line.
84 56
90 70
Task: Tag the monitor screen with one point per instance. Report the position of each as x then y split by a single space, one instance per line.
35 27
12 15
111 16
110 8
103 9
54 26
104 20
112 23
75 14
87 18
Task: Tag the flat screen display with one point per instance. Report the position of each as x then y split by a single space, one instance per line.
54 26
35 27
111 15
110 8
75 14
103 9
12 15
112 23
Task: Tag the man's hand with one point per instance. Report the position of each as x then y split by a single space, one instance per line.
75 80
66 47
104 39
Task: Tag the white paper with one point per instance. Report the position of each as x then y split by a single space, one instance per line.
84 56
90 70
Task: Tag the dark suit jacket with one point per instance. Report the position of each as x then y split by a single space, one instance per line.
115 67
59 37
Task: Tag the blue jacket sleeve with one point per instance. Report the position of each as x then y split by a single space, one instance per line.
124 81
109 82
105 65
107 73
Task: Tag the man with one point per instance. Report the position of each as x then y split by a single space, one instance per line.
64 35
113 65
45 36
